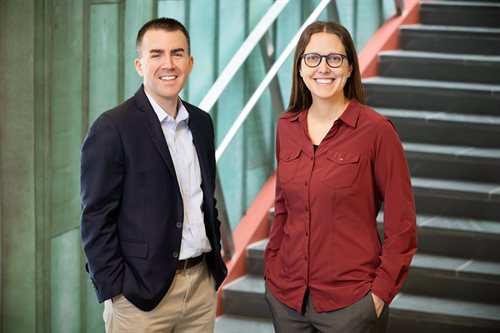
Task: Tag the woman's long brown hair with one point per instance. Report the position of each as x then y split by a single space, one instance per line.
300 98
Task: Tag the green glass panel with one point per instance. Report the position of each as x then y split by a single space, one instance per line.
137 12
231 35
66 92
65 282
202 31
17 168
104 59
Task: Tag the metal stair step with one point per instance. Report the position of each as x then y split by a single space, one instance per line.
417 313
455 236
440 66
452 277
453 162
429 95
238 324
462 13
457 198
445 128
255 257
450 39
245 297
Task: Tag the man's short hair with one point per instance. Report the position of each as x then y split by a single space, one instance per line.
162 23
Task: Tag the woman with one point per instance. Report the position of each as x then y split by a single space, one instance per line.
338 161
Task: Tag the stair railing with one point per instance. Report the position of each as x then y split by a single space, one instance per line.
213 95
257 34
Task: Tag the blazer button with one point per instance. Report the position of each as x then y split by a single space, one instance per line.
178 225
175 254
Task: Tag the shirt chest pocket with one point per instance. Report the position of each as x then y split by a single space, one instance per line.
287 164
341 169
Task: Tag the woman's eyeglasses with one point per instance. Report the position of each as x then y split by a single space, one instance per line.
333 60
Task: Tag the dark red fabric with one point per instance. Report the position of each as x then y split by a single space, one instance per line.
324 232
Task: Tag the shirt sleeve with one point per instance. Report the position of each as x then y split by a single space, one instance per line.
279 218
394 187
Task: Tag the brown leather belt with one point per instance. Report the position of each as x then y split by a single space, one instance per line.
190 262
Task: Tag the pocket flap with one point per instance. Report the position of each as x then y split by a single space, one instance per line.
343 158
289 154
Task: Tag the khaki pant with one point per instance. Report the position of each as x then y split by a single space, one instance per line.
188 306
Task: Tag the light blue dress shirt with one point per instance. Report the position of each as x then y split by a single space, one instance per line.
187 169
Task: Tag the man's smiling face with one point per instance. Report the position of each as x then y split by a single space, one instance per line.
164 63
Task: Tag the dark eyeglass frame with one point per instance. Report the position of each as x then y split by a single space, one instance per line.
343 56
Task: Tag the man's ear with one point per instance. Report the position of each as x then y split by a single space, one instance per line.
138 66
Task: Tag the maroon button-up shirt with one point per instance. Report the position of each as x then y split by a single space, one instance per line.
324 232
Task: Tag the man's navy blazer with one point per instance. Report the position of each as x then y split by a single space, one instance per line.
132 209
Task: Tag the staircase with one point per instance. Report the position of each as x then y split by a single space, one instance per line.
442 91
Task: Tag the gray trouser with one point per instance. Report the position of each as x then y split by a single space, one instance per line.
359 317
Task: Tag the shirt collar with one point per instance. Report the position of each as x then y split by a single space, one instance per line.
182 113
349 116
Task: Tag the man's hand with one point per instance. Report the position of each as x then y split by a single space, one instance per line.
379 304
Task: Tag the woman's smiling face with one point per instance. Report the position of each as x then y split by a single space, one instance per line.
323 81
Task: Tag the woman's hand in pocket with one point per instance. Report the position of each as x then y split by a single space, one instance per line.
379 304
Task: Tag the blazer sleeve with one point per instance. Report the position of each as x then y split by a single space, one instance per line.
102 174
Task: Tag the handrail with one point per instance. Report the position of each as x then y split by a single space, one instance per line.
213 95
223 80
265 82
241 55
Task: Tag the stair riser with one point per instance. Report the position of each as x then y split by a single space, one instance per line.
459 16
480 170
465 43
458 244
451 204
447 133
433 99
441 70
245 304
431 282
407 322
255 264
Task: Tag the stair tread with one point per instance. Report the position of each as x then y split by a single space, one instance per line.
487 191
466 4
433 84
453 152
247 283
450 28
242 324
438 56
447 307
458 266
467 225
440 116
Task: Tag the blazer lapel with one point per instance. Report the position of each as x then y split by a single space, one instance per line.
153 127
197 128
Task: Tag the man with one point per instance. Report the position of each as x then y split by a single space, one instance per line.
149 224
